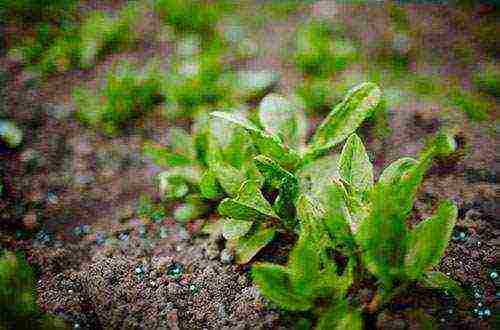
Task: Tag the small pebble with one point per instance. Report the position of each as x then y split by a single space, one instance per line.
493 275
123 237
175 270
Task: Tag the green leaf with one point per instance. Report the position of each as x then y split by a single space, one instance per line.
346 117
355 166
338 219
209 186
287 184
282 118
181 143
175 182
162 157
340 317
438 280
304 261
248 246
228 177
428 240
274 284
396 170
268 144
248 205
233 229
381 236
284 204
273 173
314 175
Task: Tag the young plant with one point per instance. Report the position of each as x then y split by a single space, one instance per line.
211 163
317 54
126 94
366 222
287 164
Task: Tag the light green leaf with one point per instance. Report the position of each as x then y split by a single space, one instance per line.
340 317
209 186
268 144
381 236
248 205
346 117
228 177
282 118
162 157
313 176
274 284
175 182
273 173
338 219
438 280
396 170
233 229
181 143
428 240
193 208
235 119
355 166
248 246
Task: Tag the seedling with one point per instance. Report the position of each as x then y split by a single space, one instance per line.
287 165
317 54
365 221
126 94
211 163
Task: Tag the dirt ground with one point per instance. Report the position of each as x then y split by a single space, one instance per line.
118 271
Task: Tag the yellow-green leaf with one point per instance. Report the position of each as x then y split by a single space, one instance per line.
428 240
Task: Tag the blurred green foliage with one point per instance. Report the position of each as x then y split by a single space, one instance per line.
18 306
126 94
319 53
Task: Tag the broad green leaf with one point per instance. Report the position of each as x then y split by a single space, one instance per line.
304 261
228 177
346 117
209 186
248 205
282 118
274 284
428 240
338 219
287 184
381 236
162 157
238 120
181 143
396 170
268 144
191 209
232 142
233 228
284 205
248 246
355 166
340 317
316 174
273 173
175 182
438 280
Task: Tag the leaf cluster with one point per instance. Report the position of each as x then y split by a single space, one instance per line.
349 214
61 48
126 94
287 164
317 53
